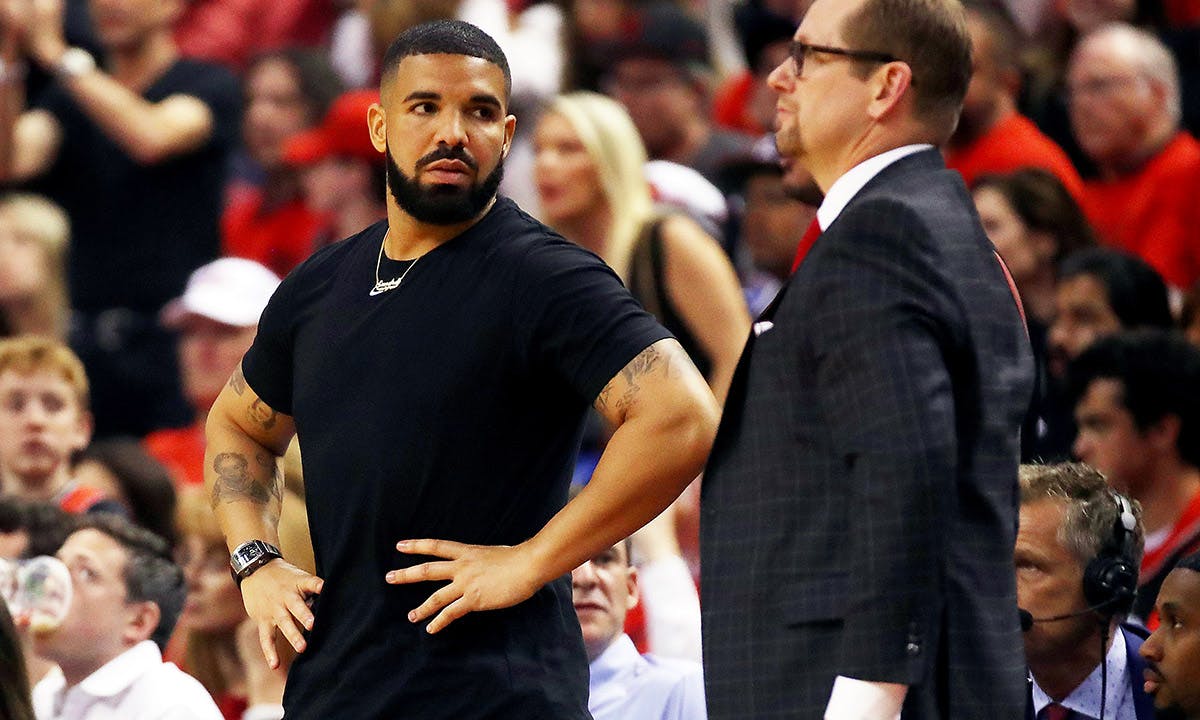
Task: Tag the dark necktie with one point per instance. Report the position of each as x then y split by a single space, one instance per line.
1054 711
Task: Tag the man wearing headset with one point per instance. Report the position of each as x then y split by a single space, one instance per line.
1077 554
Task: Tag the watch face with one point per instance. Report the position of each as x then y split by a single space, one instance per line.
247 554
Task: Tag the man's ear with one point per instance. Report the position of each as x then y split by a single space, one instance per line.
890 85
510 127
377 126
84 426
143 620
631 587
1163 434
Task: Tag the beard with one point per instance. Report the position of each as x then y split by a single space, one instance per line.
442 204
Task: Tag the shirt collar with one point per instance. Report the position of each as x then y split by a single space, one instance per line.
618 656
122 671
1085 699
847 186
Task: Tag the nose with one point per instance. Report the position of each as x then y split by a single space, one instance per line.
452 130
1151 649
1082 447
781 77
583 576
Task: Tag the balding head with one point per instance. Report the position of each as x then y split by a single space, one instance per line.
1125 98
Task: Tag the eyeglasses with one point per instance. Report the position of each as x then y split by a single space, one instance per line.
802 50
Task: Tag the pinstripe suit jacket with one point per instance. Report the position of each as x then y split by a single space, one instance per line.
860 505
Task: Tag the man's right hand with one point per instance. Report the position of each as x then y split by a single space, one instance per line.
277 595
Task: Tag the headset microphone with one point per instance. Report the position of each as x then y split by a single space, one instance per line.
1027 618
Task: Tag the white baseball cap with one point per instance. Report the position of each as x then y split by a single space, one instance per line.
231 290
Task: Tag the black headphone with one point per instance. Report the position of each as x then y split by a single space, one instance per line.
1110 579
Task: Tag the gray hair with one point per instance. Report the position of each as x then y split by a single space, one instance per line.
1148 54
1091 512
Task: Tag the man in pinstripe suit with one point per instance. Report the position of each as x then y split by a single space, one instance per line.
860 503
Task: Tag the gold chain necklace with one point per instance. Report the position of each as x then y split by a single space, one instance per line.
382 286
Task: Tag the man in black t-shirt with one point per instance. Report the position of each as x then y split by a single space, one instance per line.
437 368
136 152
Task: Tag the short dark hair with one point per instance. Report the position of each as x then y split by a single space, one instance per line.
1190 562
1002 28
931 37
151 574
1092 511
1043 204
145 482
46 524
1159 372
451 37
1136 292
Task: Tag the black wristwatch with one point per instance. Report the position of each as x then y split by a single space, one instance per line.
250 556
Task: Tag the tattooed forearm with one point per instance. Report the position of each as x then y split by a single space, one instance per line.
237 381
236 483
261 414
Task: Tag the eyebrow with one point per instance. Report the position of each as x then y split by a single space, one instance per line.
480 99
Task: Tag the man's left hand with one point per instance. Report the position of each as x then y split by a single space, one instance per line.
481 577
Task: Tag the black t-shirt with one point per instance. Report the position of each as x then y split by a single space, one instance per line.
450 407
138 231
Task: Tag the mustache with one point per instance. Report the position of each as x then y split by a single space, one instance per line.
449 153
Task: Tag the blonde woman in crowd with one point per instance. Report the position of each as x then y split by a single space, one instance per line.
589 171
34 234
211 629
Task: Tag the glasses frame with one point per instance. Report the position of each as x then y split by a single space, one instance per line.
800 50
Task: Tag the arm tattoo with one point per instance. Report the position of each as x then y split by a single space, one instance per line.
237 381
235 483
261 414
640 366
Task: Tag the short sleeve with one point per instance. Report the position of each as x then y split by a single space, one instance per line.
574 317
268 364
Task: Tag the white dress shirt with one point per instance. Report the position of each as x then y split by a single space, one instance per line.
627 686
847 186
135 685
1085 699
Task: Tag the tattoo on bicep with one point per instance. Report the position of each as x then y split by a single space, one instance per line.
237 381
261 414
646 362
235 483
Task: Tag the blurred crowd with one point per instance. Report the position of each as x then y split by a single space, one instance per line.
165 162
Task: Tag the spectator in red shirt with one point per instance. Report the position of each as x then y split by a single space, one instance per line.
1125 113
217 318
1137 403
992 137
341 172
286 92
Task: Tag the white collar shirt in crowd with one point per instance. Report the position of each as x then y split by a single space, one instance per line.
627 685
1085 699
135 685
847 186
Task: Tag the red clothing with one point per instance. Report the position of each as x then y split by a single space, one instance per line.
233 32
280 238
232 707
1153 213
1183 540
181 451
1014 143
731 105
78 499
